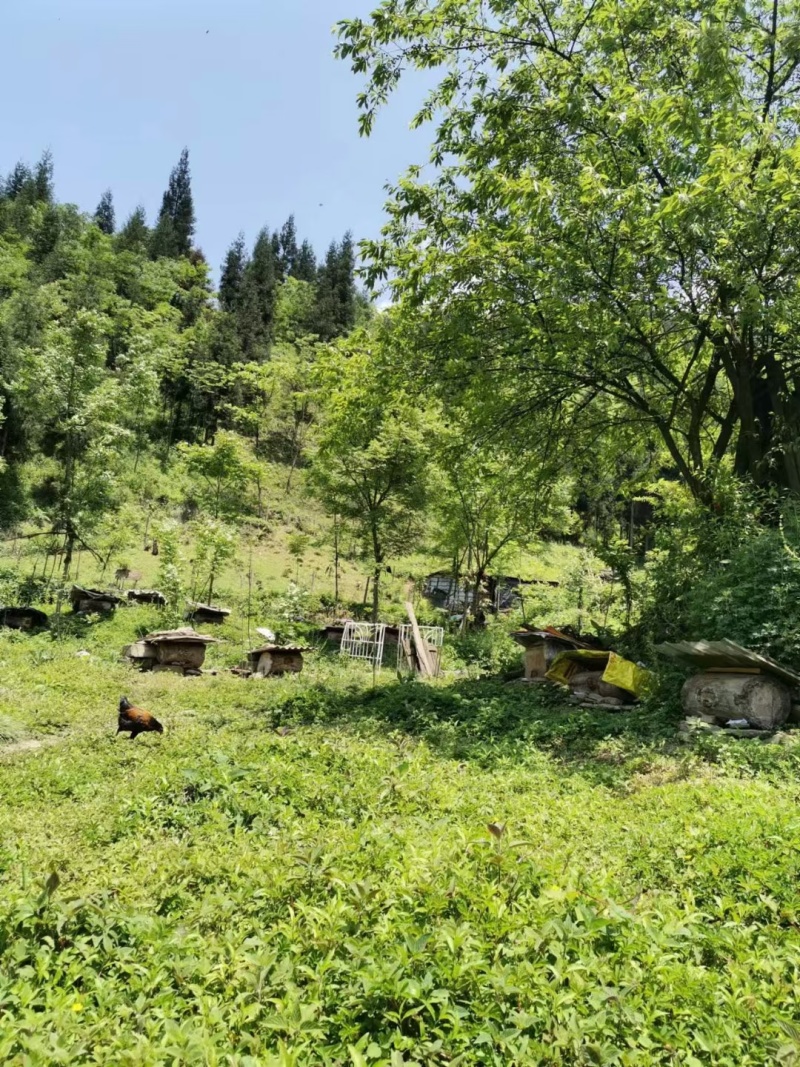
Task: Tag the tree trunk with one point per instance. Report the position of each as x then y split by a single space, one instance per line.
69 545
335 565
480 575
376 591
377 555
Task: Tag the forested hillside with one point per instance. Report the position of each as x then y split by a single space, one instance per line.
120 365
140 403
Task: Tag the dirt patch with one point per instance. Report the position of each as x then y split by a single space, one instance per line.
31 744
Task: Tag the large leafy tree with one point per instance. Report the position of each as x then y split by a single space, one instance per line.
371 467
489 500
612 216
62 387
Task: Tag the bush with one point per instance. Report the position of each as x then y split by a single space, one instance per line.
728 572
487 651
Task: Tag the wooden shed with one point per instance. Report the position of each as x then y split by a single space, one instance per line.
334 632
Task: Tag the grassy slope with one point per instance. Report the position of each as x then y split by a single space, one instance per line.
273 566
230 896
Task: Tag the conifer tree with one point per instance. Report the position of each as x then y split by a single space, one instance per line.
134 235
162 241
259 296
288 248
172 236
336 291
345 285
325 324
305 268
232 276
43 179
104 215
276 253
18 179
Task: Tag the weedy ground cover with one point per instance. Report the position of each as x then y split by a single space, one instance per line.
227 895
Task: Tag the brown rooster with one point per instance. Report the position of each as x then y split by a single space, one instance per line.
136 721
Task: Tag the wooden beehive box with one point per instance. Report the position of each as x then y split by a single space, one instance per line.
541 648
23 619
206 615
180 648
88 601
147 596
271 661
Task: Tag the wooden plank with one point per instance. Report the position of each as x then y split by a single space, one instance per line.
409 655
422 652
733 670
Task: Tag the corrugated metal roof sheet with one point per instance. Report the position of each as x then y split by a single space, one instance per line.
725 654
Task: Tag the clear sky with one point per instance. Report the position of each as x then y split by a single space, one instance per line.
116 88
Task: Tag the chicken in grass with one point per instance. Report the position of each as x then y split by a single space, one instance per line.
135 721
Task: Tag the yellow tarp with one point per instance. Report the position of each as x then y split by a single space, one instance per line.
618 671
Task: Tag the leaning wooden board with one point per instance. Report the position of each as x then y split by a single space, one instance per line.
419 644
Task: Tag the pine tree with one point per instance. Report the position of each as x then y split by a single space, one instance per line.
183 212
163 244
259 296
134 235
43 179
305 268
232 276
288 248
172 236
336 291
19 178
345 285
47 233
104 215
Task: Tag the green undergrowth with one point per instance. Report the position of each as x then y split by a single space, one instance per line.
227 894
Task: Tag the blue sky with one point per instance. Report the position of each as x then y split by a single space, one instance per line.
116 88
